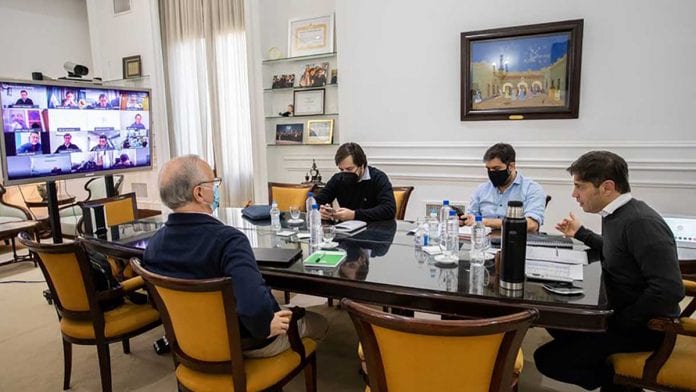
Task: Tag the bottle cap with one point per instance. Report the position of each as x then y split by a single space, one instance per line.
274 204
445 202
310 194
315 207
479 218
514 203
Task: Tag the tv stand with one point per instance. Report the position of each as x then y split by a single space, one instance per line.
109 183
53 213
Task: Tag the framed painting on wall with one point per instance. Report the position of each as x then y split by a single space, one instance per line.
523 72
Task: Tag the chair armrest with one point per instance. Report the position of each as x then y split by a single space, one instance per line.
133 284
689 285
125 287
294 333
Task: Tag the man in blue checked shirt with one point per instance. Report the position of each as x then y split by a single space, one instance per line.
490 199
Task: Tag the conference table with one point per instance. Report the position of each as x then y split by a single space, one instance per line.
383 267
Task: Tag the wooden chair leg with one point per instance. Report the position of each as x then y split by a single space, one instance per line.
330 302
310 372
286 297
104 366
126 346
67 364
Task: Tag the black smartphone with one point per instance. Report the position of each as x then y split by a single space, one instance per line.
563 288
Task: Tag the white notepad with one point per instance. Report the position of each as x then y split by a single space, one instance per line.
557 255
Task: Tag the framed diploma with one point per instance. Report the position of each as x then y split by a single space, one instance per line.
309 102
311 36
320 131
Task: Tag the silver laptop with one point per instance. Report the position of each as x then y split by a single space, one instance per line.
684 229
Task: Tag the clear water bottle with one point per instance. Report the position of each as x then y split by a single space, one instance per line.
275 217
453 235
444 215
418 235
479 242
314 223
309 202
433 226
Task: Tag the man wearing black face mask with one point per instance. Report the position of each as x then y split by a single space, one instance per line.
363 192
506 183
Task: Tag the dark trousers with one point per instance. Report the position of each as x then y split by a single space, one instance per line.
580 358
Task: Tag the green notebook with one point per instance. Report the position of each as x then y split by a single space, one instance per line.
325 258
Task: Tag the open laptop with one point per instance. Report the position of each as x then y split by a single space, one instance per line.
684 229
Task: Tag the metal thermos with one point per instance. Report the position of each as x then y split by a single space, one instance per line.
513 246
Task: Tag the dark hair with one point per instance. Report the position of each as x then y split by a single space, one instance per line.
23 91
599 166
502 151
351 149
103 137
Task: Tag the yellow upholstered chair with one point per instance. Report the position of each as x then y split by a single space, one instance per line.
401 196
462 355
71 215
117 210
665 369
287 195
68 273
201 325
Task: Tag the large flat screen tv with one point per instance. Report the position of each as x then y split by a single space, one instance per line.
57 129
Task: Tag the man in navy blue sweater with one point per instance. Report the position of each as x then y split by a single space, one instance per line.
195 245
640 272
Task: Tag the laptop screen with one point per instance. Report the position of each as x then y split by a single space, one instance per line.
684 230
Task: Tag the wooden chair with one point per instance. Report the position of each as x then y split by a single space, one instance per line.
287 195
71 215
118 209
401 196
665 369
68 273
10 212
407 354
201 325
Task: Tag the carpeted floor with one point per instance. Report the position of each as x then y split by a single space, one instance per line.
31 353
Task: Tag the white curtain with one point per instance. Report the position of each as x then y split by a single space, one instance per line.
204 46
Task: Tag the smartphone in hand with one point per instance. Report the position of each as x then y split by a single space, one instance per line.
563 288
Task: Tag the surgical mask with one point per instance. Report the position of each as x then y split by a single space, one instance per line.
216 197
498 177
349 178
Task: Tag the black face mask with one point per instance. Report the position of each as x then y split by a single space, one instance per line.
349 178
498 177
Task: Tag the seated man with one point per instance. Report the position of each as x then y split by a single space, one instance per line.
24 99
33 146
363 192
103 144
490 199
195 245
67 145
639 268
138 122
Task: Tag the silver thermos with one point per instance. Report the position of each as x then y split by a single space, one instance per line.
513 246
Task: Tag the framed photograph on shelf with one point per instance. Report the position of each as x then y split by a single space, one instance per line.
320 131
283 81
309 102
311 36
289 133
315 75
523 72
132 67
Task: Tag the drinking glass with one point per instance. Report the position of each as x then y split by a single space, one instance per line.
329 232
294 213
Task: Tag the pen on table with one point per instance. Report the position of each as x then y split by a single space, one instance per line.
321 256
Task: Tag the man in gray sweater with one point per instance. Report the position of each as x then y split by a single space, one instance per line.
640 272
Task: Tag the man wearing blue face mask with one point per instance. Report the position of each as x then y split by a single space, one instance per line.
490 199
362 192
195 245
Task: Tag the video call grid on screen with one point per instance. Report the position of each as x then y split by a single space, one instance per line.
58 129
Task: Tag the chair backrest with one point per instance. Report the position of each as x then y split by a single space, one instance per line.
96 187
11 210
287 195
462 355
108 212
200 322
68 274
401 196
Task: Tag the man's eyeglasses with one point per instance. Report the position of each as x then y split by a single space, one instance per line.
215 181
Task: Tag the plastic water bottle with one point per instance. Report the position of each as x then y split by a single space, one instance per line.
444 215
314 221
275 217
453 235
421 236
479 242
309 202
433 225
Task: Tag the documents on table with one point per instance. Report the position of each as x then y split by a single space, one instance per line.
557 255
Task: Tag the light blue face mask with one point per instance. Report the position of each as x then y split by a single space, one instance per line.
216 197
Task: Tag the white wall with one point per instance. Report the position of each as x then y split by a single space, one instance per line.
399 67
40 35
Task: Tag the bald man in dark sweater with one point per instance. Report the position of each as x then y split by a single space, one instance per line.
640 272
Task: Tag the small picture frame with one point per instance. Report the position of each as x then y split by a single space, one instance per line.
132 67
283 81
320 131
309 102
314 75
311 36
289 133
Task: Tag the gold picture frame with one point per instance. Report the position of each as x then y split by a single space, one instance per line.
320 131
311 36
132 67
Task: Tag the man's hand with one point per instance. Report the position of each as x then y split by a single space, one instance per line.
280 323
326 211
344 214
469 220
569 226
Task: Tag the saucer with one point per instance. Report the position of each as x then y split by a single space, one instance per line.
442 259
295 221
328 245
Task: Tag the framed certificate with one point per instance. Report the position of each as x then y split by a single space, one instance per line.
308 102
320 131
311 36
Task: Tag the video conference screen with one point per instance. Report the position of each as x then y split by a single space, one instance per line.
57 130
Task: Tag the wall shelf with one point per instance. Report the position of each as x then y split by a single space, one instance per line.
311 115
298 88
300 58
